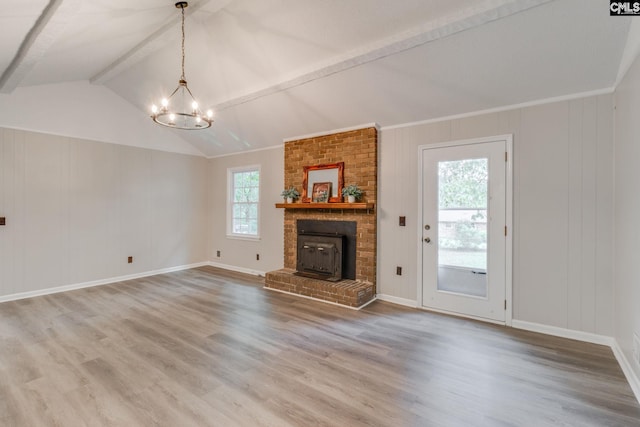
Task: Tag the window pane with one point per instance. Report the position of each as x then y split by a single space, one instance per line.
252 194
237 180
240 227
239 195
241 213
253 211
253 178
245 211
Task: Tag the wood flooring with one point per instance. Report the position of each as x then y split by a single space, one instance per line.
206 347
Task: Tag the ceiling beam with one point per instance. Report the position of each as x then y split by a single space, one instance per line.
154 42
630 52
487 11
55 16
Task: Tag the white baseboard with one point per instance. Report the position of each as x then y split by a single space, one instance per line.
629 373
397 300
564 333
237 269
65 288
321 300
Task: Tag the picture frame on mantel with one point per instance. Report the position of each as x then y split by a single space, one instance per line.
327 173
321 192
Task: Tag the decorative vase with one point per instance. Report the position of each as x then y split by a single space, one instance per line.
351 199
289 199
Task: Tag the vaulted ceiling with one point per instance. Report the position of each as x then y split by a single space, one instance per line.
273 69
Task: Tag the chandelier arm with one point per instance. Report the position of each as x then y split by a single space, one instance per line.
174 92
187 88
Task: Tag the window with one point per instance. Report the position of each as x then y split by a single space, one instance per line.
243 202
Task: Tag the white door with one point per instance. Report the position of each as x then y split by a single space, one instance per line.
464 227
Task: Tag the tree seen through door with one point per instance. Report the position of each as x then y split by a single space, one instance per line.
462 213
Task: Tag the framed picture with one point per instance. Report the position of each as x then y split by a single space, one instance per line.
332 173
321 192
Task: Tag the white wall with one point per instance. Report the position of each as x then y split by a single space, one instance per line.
82 110
76 209
627 211
241 254
563 208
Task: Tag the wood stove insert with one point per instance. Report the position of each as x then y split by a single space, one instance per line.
326 249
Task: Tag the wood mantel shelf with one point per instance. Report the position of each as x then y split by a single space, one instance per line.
325 205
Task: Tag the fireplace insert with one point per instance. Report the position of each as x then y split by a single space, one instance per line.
326 249
320 256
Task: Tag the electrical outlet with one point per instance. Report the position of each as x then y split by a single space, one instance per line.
218 254
130 260
399 271
3 220
636 348
257 257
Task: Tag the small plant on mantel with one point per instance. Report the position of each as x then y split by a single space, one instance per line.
290 194
352 193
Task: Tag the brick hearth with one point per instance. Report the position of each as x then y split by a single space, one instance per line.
358 149
353 293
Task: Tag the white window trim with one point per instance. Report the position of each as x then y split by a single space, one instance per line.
230 172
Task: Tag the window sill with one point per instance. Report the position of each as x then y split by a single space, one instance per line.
243 237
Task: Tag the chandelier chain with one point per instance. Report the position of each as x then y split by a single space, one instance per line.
183 78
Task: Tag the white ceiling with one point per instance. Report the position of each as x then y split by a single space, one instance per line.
273 69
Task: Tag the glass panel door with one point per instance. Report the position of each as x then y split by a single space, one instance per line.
463 221
462 226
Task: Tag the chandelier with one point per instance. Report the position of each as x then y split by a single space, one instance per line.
180 110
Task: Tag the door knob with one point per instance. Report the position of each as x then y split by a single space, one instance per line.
427 239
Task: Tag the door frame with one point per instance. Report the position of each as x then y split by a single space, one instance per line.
508 139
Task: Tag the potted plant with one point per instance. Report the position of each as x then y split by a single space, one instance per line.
290 194
352 192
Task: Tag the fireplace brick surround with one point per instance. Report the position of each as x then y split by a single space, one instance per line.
358 149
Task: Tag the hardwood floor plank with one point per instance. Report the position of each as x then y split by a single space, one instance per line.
208 347
11 412
16 360
192 409
96 406
243 410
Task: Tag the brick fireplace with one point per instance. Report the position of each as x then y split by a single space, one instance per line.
358 149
